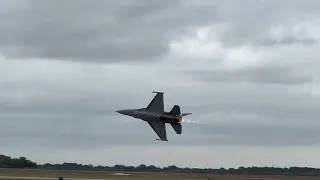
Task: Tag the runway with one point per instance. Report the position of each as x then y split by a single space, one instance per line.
46 178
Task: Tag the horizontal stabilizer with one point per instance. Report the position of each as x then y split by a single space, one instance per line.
177 127
185 114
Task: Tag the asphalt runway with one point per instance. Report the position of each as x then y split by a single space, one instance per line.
46 178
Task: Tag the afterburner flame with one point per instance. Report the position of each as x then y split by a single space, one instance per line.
188 121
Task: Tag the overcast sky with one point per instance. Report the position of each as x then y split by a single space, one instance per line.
248 71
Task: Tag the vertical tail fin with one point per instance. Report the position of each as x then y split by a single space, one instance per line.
175 110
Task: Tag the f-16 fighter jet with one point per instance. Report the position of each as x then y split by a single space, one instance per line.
156 117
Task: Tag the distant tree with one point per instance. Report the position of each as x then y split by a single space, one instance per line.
22 162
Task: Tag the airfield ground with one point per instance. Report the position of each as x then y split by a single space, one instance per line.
19 174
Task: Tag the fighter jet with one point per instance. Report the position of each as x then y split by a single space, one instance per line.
156 117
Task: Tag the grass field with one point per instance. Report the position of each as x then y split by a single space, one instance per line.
15 174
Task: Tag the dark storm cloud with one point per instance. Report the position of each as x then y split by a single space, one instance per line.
256 74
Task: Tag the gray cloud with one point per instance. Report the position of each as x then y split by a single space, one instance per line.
261 74
73 133
289 40
255 134
232 117
88 30
112 31
94 31
243 26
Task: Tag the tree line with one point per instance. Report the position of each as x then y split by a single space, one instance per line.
23 162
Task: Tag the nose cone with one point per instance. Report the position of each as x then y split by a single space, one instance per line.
127 112
121 112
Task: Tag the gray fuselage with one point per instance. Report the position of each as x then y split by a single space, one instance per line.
146 115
